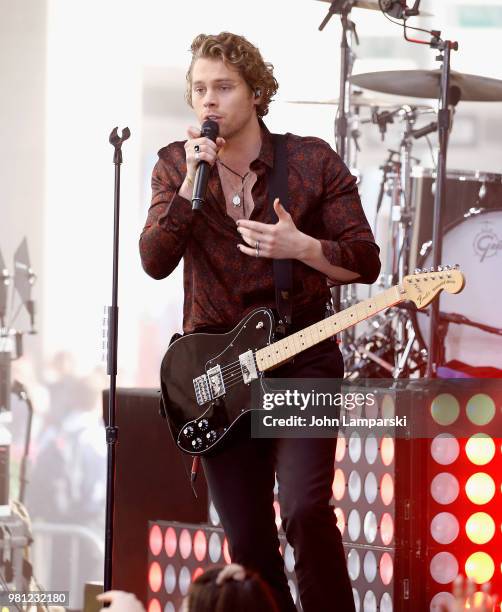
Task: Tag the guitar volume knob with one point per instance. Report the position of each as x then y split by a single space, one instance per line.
211 435
203 424
188 431
197 443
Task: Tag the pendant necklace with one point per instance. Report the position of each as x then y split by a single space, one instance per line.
238 198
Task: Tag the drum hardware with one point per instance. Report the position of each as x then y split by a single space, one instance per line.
373 5
403 347
445 318
396 346
472 211
449 92
396 184
458 319
380 352
348 116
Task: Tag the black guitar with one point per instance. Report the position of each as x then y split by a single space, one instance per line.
206 378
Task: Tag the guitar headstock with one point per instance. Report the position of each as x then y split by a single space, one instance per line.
423 286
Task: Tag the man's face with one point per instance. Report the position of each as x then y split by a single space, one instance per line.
220 93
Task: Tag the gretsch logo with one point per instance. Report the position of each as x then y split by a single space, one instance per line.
487 243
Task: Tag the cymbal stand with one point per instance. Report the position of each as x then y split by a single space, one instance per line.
347 57
444 121
401 216
394 335
346 134
448 97
396 182
404 212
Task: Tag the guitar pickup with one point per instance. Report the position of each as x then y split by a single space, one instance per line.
216 384
248 367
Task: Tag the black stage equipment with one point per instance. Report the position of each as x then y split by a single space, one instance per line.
151 483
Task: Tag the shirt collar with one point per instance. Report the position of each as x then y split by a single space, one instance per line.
266 154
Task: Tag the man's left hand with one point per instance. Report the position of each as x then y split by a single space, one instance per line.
281 240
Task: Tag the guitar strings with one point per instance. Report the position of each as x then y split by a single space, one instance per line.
231 378
228 371
233 364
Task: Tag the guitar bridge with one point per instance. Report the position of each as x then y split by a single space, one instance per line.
248 367
202 391
209 386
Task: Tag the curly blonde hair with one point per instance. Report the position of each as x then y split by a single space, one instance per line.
242 55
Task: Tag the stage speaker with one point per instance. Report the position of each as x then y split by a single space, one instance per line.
151 483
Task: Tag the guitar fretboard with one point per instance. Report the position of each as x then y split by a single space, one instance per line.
282 350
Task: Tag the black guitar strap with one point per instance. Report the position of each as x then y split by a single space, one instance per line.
283 268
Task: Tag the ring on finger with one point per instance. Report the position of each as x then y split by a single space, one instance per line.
257 248
197 152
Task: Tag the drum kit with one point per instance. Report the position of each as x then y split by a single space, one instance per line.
469 232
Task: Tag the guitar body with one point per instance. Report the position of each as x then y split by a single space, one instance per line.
204 381
207 379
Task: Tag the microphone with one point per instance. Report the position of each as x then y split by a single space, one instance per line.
399 8
210 130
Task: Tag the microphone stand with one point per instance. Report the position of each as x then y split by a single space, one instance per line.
343 138
343 8
111 429
446 97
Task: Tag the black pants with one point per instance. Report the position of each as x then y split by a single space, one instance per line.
241 479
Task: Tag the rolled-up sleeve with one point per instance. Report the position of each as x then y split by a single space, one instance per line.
348 241
168 224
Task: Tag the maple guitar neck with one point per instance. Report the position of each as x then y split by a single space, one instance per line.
278 352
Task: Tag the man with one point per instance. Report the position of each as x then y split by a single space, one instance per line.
228 248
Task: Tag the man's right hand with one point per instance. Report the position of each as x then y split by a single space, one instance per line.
208 152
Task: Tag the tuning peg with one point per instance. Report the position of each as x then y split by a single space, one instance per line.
457 266
440 268
417 271
432 269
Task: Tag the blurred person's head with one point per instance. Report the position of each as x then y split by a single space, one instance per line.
229 589
61 366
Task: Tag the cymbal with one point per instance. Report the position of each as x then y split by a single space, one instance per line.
425 84
373 5
359 100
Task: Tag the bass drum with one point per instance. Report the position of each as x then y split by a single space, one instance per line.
475 243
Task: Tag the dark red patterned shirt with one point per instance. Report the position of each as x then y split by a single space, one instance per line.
220 282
